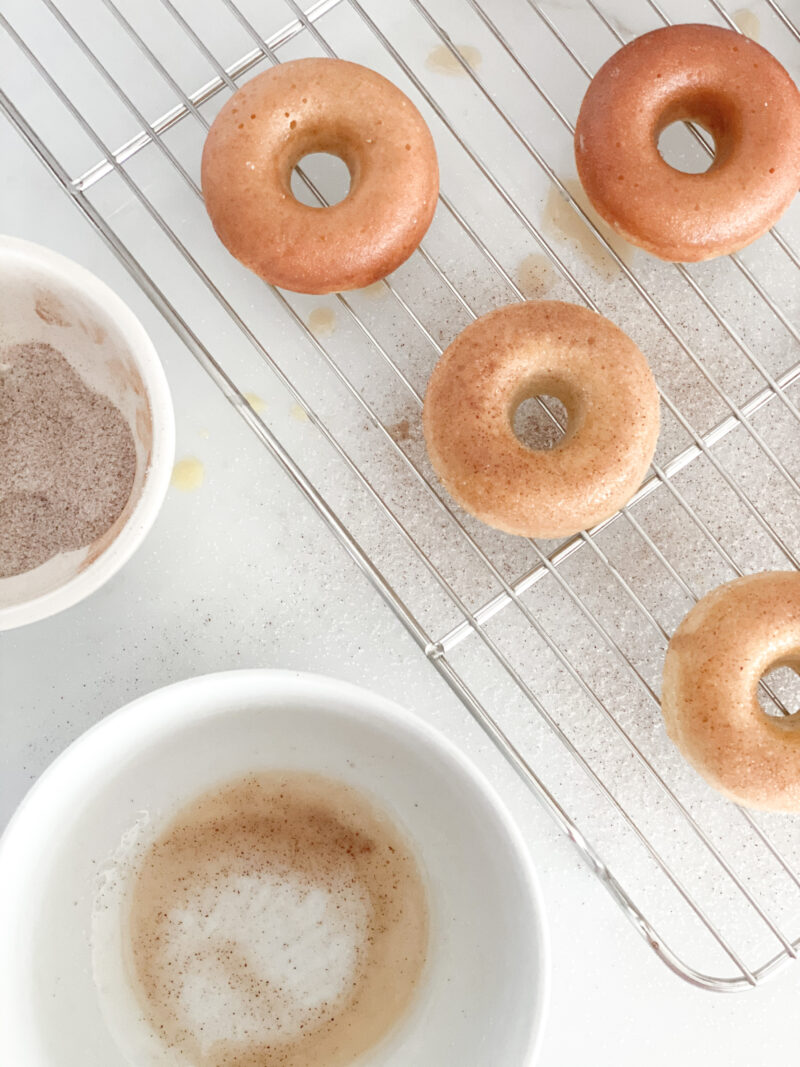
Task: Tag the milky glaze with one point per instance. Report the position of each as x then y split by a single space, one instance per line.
541 349
280 921
724 82
726 643
320 105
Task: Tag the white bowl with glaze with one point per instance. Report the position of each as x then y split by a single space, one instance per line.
45 297
483 994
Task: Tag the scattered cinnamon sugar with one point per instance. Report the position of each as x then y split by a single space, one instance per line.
67 459
535 276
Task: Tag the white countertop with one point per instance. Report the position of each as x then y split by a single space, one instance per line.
241 572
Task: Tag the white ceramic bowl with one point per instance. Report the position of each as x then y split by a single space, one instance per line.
482 999
45 297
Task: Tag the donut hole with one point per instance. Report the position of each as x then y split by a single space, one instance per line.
534 427
717 121
682 151
330 175
784 682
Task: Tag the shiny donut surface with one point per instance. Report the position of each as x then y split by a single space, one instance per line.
320 105
720 80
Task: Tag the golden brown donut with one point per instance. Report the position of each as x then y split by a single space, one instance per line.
543 348
320 105
724 82
726 643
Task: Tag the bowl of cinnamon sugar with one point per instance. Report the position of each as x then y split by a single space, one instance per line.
87 433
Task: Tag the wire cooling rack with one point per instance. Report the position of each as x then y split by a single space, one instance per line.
554 647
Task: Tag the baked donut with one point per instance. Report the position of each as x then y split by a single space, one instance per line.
543 348
726 643
725 83
320 105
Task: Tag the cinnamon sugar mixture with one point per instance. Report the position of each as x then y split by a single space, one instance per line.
67 459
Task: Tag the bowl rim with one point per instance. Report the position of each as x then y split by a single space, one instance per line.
205 696
158 472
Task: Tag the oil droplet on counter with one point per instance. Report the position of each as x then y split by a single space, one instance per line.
322 321
748 22
535 276
562 220
376 291
187 474
442 60
256 402
298 412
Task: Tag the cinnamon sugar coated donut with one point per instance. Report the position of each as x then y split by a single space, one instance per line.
320 105
726 643
720 80
543 348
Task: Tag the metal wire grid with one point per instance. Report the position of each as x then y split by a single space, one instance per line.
488 622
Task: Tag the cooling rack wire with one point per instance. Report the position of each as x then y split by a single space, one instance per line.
555 648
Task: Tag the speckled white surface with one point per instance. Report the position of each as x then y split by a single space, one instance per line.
241 571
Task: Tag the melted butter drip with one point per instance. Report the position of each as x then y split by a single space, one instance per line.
256 402
748 22
561 220
376 291
400 431
535 276
298 413
187 474
442 60
322 321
